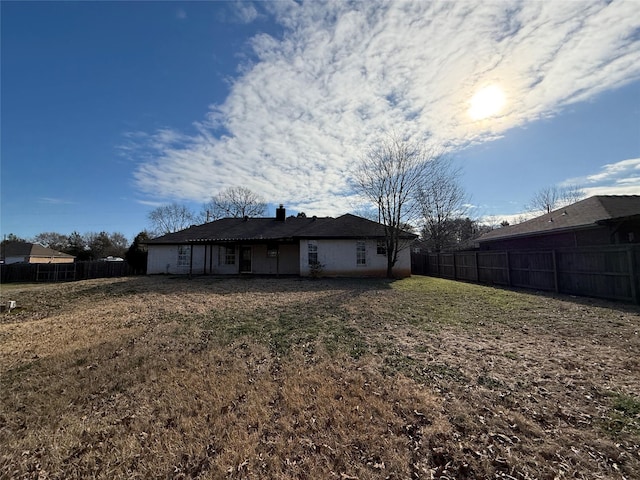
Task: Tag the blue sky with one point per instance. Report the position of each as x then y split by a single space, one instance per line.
109 109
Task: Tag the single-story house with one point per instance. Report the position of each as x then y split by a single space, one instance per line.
594 221
24 252
345 246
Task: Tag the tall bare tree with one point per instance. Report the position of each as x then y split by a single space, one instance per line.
549 198
53 240
170 218
237 202
441 199
390 176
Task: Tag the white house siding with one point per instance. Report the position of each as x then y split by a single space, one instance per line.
338 258
216 260
206 259
286 263
289 254
164 259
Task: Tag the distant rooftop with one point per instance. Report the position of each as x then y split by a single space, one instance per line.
252 229
25 249
586 213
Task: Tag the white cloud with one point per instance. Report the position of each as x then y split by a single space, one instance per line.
239 11
620 178
512 218
343 73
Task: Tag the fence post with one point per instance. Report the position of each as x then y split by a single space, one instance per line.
455 273
508 269
477 268
556 284
632 274
191 261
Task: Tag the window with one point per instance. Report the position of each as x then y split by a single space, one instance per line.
272 250
313 252
184 255
381 247
361 253
227 255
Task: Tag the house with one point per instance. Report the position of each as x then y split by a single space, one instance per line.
595 221
345 246
23 252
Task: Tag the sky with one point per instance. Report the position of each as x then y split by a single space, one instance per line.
110 109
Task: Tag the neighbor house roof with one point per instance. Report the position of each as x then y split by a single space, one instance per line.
252 229
587 213
25 249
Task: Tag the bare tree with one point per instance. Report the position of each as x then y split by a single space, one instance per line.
237 202
549 198
53 240
390 177
460 234
170 218
441 199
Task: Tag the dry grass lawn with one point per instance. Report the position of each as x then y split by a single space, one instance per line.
253 378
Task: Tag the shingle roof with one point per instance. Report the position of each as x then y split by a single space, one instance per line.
252 229
25 249
586 213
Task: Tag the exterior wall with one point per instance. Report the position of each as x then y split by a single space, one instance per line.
628 232
338 258
164 259
208 259
599 236
578 238
289 259
51 260
215 262
286 263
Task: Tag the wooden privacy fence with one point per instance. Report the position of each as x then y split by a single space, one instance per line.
62 272
609 272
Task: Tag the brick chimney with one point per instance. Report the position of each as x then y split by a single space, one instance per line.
281 213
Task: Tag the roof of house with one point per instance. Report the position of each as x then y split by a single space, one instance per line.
25 249
587 213
270 229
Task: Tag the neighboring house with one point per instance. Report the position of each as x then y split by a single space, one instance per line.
419 247
595 221
23 252
343 246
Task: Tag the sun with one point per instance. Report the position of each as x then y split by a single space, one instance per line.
487 102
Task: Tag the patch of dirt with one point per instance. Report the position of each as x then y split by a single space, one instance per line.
292 378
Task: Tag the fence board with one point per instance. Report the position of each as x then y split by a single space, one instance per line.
607 272
492 268
62 272
466 266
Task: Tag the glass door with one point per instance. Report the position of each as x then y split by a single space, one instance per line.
245 259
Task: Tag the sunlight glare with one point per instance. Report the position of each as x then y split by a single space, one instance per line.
487 102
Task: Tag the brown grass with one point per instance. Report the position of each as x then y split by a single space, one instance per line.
161 377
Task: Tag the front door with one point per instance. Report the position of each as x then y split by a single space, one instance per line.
245 259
